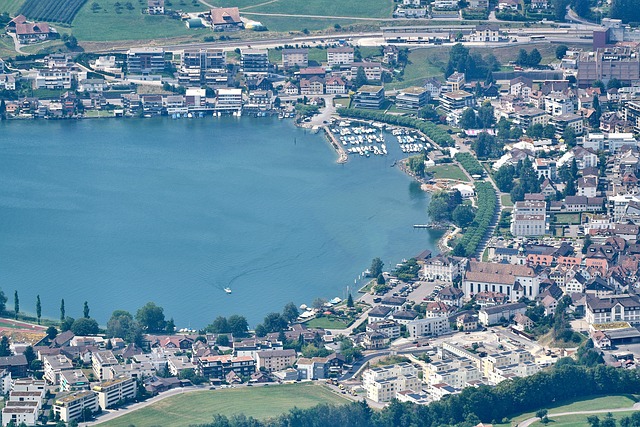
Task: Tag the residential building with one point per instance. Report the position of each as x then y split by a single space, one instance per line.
315 368
568 120
529 218
372 70
456 100
17 415
113 392
335 86
527 117
485 33
73 406
73 380
389 328
145 61
613 308
496 314
254 61
340 56
275 360
101 361
7 81
33 32
220 366
379 313
455 82
515 281
295 58
558 104
382 384
450 296
312 86
412 98
434 86
467 322
54 365
369 97
53 78
433 327
228 100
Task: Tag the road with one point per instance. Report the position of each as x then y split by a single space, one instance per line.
528 422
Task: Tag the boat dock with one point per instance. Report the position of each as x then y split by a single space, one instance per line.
342 155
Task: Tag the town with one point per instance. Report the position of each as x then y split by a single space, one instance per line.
531 159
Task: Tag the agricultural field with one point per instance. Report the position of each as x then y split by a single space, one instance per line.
101 20
198 407
11 6
51 10
328 8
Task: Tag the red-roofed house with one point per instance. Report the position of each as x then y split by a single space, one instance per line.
33 32
225 19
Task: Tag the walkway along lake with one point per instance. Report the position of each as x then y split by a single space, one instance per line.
121 212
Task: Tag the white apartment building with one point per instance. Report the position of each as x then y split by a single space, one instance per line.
443 267
529 218
382 384
72 406
295 58
433 327
19 414
613 308
101 361
228 100
54 365
455 371
558 104
275 360
114 391
339 56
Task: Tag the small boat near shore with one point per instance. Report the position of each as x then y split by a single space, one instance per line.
227 290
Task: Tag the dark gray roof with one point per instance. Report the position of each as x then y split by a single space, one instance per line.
504 307
380 311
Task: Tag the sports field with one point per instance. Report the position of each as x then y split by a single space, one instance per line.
448 171
198 407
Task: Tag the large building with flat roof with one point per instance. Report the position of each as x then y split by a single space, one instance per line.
619 62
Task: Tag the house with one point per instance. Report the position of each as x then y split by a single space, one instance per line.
379 313
225 19
275 360
290 88
433 327
467 322
390 54
403 317
539 4
16 365
313 86
508 5
434 86
219 366
372 70
456 100
451 296
335 86
613 308
155 7
33 32
382 384
485 33
438 309
375 340
389 328
523 322
315 368
395 303
7 81
550 304
489 298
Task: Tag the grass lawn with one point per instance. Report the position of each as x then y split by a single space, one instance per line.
594 403
10 6
198 407
506 201
107 25
287 23
341 102
326 323
448 171
373 9
6 47
423 63
567 218
580 420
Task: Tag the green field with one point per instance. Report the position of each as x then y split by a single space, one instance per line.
448 172
423 63
287 23
594 404
329 8
198 407
506 201
567 218
326 323
10 6
107 25
579 420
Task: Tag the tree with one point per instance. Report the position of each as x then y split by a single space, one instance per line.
614 83
5 349
274 322
626 10
290 312
65 325
561 51
85 326
223 340
594 120
85 310
586 243
361 78
593 421
62 311
3 109
220 325
122 325
151 318
468 119
459 250
238 325
380 279
569 136
170 327
318 303
38 308
534 58
600 85
16 303
29 354
463 216
541 413
52 332
71 43
376 267
536 131
549 131
349 300
523 58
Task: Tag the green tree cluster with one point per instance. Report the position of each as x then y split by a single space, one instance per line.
236 325
473 65
528 180
529 59
442 205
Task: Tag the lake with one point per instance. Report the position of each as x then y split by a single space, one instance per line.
119 212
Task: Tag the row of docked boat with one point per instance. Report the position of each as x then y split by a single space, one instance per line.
411 148
368 150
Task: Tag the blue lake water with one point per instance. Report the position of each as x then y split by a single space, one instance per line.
121 212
